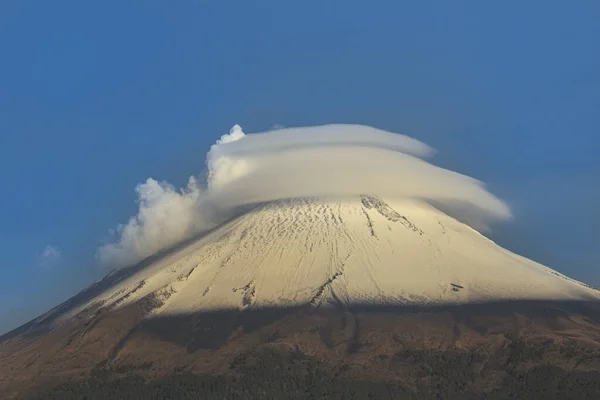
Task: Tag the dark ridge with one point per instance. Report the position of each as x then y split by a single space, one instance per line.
388 212
128 294
370 224
244 288
455 287
185 277
354 342
248 296
322 288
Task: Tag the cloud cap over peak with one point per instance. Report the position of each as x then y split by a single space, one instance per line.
328 160
319 136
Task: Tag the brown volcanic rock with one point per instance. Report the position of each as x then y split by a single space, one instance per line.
474 349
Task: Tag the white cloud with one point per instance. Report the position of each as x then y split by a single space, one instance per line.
50 256
329 160
165 216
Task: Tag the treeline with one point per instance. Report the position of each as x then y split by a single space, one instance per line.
269 374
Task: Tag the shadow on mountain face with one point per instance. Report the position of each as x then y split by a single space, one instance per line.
512 349
517 349
213 329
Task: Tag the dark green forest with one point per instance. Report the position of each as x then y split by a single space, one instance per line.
270 374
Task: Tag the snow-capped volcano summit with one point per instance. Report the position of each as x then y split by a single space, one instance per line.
310 274
319 251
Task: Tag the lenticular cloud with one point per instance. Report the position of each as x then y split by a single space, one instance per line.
329 160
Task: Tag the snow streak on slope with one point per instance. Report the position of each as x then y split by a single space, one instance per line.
355 251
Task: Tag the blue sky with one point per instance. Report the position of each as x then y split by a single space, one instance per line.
95 98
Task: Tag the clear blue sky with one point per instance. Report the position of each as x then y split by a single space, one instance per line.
97 96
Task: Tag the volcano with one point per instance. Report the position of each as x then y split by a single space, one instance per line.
324 297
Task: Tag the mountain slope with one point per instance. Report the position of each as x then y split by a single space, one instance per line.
358 286
320 251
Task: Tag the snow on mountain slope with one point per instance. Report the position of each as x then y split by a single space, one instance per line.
322 251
